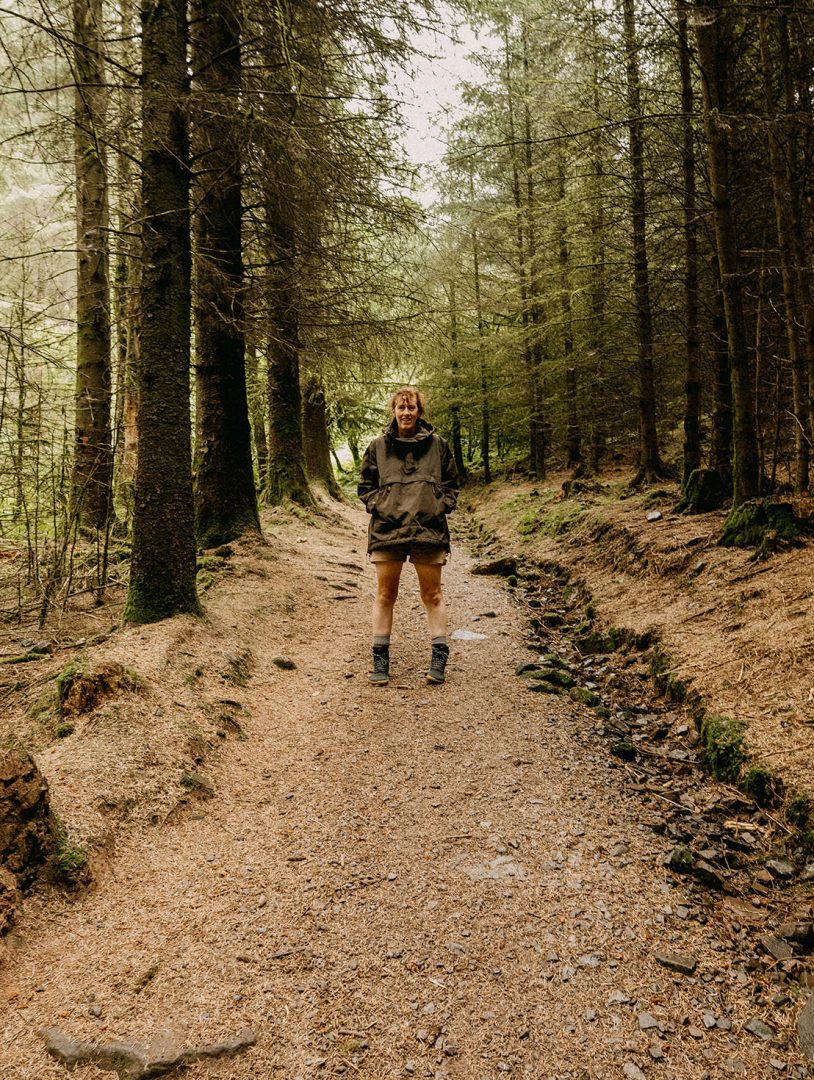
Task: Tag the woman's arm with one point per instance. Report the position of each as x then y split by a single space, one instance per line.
450 485
369 480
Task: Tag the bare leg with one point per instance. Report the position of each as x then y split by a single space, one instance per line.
429 581
387 578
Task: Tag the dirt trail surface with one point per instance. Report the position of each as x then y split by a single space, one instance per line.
409 881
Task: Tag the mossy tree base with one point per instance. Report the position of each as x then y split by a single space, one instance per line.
704 491
760 524
214 532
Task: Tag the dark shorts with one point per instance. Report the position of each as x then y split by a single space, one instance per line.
430 554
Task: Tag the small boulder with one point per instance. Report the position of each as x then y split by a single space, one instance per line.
497 567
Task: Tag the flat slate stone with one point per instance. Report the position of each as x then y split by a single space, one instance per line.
776 947
781 868
763 1031
805 1029
683 963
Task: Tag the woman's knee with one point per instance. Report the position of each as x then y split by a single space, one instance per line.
387 594
431 595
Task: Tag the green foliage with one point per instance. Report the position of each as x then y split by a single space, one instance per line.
762 785
65 680
723 747
798 810
68 864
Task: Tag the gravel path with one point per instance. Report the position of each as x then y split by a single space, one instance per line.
403 881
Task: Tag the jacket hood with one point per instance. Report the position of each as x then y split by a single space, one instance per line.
418 443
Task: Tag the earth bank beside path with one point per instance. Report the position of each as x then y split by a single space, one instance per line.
408 881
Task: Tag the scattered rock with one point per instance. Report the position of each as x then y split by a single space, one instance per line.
285 663
132 1061
616 997
584 696
655 515
805 1029
647 1022
761 1030
683 963
734 1065
681 859
776 947
632 1071
780 868
467 635
624 749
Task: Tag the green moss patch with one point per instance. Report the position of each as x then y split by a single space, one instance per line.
723 747
761 524
762 785
68 866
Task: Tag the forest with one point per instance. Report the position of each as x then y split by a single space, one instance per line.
216 264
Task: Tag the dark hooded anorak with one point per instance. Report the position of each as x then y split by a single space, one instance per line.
408 486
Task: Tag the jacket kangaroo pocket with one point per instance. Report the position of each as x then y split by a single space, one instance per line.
402 504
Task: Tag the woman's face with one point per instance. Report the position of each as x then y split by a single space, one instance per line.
406 413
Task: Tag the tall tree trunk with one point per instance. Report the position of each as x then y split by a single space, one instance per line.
287 478
256 411
225 497
797 67
92 479
539 427
126 280
745 476
692 381
597 288
573 444
485 448
455 407
650 463
485 413
522 272
720 452
784 212
316 440
162 574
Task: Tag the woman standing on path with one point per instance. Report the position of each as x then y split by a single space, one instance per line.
409 484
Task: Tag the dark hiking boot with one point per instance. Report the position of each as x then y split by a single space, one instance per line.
438 664
380 675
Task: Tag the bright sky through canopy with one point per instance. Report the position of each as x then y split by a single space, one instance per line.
430 93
